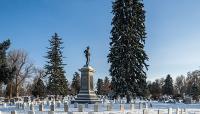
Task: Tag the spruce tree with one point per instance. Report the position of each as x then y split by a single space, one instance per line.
99 86
194 91
6 73
127 56
39 89
57 83
168 86
76 83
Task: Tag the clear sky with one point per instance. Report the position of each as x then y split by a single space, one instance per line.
173 37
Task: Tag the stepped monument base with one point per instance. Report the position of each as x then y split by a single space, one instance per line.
86 93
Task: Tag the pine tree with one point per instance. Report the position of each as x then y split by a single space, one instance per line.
76 83
127 56
168 86
194 91
99 86
39 89
57 83
6 73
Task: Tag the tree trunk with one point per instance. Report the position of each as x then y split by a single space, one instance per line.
10 89
1 90
16 90
128 99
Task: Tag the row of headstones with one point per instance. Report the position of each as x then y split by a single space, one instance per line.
141 105
58 104
109 107
76 105
24 105
80 106
52 107
178 111
116 101
145 111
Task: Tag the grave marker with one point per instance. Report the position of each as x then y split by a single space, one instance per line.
80 108
66 108
41 107
170 111
96 107
121 107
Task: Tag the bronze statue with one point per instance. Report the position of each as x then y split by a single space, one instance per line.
87 55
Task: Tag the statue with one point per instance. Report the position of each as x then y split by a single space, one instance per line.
87 55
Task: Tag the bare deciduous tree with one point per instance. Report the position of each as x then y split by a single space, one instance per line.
24 68
180 85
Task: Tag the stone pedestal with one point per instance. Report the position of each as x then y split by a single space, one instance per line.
86 93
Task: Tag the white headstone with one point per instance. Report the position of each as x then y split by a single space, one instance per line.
170 111
4 105
132 107
109 107
13 112
114 101
80 108
86 105
48 103
51 112
121 107
75 105
145 105
185 110
129 113
17 105
58 104
96 107
159 111
177 111
23 106
31 112
140 105
182 111
145 111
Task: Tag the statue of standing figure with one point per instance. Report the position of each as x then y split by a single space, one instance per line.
87 55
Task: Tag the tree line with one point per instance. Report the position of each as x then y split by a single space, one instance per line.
179 88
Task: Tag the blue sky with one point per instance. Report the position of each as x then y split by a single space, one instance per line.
172 32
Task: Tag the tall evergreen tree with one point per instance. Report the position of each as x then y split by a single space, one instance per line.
168 86
39 89
194 91
6 73
127 56
57 83
76 83
99 86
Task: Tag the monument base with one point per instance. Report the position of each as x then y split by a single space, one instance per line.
86 93
86 96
